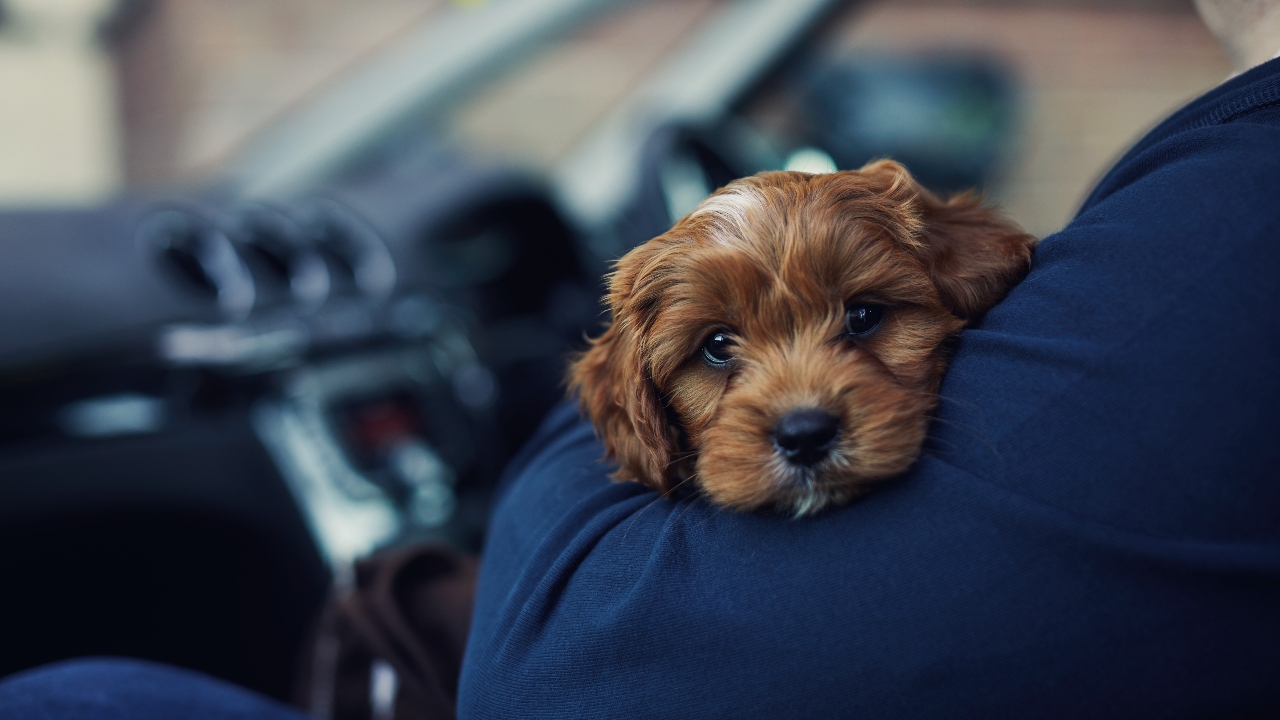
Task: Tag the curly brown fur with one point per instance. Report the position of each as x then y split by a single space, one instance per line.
774 261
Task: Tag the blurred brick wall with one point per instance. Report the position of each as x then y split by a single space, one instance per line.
198 77
1094 77
561 94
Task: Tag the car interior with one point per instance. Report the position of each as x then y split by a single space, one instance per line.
214 398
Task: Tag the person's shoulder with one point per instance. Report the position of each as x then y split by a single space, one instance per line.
1225 143
1224 166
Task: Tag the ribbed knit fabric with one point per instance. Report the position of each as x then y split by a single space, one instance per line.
1093 530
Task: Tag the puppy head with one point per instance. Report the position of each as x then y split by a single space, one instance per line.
782 345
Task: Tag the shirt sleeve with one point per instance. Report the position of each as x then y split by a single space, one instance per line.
1091 530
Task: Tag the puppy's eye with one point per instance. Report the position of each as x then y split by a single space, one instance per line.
717 349
861 319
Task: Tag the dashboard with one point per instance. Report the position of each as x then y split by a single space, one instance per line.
209 407
212 400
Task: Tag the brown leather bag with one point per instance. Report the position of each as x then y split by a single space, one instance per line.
389 644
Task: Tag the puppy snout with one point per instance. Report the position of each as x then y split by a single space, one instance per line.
804 437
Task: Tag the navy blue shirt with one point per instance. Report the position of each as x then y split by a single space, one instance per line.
1092 530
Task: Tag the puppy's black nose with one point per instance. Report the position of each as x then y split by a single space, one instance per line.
804 437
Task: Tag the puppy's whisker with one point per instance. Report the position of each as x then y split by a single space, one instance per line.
972 432
681 456
696 494
681 483
660 497
964 404
654 502
637 515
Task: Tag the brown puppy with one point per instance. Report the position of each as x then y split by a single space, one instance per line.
781 347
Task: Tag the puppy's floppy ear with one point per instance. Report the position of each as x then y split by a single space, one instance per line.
613 380
973 254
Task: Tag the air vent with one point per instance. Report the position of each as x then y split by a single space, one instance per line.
195 252
277 244
353 247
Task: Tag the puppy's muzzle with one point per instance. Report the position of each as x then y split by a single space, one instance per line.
805 437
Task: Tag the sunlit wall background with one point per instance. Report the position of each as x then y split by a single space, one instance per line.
61 139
